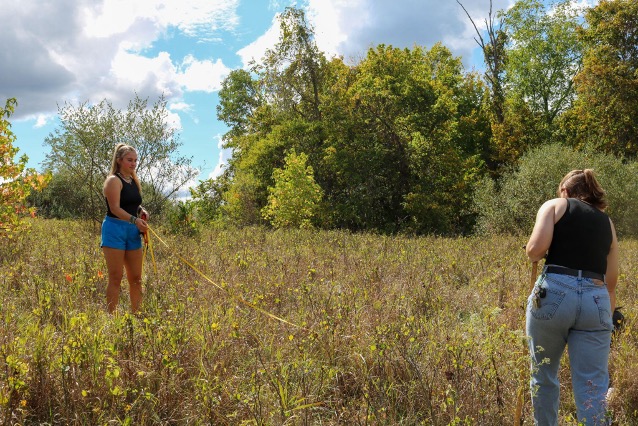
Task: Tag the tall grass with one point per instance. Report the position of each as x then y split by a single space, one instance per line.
392 330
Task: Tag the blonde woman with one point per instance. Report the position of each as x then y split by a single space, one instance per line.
573 299
122 227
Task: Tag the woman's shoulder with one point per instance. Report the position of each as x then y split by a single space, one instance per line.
555 207
555 203
112 180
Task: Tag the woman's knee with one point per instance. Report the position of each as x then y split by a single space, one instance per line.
115 277
135 280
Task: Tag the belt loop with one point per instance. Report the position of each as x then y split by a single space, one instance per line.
580 274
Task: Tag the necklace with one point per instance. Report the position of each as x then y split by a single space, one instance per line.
127 180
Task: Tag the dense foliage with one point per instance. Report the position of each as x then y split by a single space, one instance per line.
511 206
605 116
294 199
399 141
395 142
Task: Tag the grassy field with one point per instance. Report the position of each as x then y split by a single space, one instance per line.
387 331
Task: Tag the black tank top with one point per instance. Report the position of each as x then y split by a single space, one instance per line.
582 238
130 198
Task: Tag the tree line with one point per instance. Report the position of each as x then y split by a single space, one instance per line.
404 140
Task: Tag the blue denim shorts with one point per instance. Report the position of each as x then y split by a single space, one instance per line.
120 234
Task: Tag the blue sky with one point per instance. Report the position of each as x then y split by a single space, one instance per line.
57 51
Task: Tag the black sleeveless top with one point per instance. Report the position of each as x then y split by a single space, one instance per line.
582 238
130 198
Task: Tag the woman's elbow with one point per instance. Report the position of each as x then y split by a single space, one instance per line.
534 253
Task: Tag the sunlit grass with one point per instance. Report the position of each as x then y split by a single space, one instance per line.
392 330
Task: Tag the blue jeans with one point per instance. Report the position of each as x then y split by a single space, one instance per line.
575 312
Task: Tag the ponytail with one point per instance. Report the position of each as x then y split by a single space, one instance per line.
582 184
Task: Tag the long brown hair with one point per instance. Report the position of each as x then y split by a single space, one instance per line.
582 184
121 149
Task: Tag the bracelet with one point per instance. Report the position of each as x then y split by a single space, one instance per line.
133 219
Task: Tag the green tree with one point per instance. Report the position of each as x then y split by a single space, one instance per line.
274 108
16 180
295 198
544 54
208 198
82 147
605 116
361 128
292 72
390 119
495 57
238 100
62 198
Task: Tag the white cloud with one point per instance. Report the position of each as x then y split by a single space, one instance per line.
206 76
195 17
89 50
256 50
348 28
133 72
173 120
184 108
222 160
180 106
332 22
42 120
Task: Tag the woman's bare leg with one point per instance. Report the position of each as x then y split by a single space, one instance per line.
133 264
115 266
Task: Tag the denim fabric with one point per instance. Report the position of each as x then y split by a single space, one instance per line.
575 312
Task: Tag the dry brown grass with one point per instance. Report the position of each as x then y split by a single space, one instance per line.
394 330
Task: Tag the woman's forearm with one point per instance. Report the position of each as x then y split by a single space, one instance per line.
612 298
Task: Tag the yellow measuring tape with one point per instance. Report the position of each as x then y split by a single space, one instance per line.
149 248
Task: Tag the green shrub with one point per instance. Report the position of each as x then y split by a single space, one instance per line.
295 198
180 218
510 205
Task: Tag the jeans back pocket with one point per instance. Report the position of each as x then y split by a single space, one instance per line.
604 310
548 304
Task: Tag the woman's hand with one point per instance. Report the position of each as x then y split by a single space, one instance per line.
142 213
141 225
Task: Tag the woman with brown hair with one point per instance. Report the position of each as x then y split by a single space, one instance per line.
573 299
122 227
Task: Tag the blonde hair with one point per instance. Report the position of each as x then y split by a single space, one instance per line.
121 149
582 184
